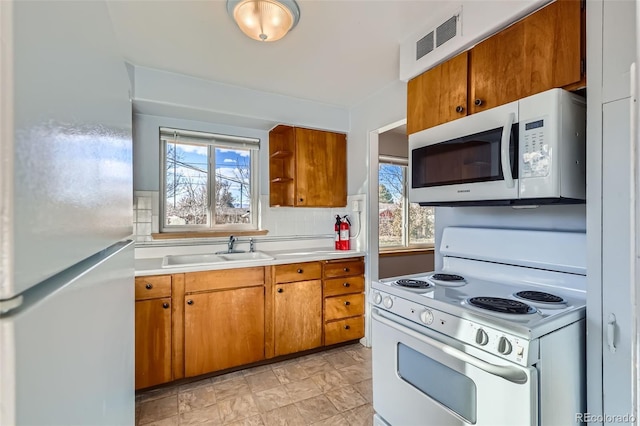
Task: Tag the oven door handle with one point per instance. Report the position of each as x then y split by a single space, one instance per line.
505 144
511 374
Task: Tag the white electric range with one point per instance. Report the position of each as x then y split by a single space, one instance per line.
496 337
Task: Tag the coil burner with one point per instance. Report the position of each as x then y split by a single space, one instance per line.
447 280
504 306
413 285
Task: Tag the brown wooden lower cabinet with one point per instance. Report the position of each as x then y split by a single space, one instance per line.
152 342
202 322
297 316
343 300
223 329
343 330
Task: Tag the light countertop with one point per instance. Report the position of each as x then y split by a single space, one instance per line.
153 266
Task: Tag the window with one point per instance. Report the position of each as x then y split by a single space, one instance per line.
209 181
401 224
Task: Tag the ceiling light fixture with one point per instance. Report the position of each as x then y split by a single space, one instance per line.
264 20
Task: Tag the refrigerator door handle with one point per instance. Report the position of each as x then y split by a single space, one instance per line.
9 305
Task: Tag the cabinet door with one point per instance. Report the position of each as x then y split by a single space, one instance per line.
496 70
321 168
298 316
540 52
223 329
552 47
438 95
153 342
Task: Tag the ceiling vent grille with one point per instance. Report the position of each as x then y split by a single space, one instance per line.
424 45
446 31
438 36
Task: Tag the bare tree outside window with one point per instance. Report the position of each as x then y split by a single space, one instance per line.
187 180
401 224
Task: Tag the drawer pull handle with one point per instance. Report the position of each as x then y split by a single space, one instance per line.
478 102
189 302
346 327
149 286
346 284
347 303
300 271
346 269
459 109
280 290
165 305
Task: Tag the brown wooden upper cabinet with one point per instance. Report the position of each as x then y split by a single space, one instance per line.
542 51
307 168
438 95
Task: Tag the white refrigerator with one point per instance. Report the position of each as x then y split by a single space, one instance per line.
66 264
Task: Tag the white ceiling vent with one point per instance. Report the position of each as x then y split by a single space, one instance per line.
438 36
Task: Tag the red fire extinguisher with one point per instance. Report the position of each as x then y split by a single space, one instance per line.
336 230
345 243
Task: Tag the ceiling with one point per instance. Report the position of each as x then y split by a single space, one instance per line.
339 53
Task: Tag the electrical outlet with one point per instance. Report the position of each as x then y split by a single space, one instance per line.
355 205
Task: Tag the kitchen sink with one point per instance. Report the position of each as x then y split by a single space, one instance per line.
244 256
310 253
177 260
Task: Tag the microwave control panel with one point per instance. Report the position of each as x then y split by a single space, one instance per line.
536 155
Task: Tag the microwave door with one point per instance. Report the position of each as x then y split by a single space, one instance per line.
473 159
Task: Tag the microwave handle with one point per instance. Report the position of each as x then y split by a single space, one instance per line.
505 144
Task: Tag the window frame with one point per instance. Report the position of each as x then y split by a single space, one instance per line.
405 242
211 141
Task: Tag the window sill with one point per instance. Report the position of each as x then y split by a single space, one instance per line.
206 234
405 251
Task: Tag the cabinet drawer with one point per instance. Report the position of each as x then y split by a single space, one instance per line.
346 285
298 272
344 268
343 306
343 330
223 279
153 287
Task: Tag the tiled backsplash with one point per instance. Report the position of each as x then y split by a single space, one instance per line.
279 221
146 219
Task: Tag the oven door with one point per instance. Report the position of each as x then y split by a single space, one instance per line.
474 158
421 377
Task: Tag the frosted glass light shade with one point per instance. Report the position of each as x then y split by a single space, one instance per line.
264 20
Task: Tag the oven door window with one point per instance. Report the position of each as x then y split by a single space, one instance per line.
448 387
468 159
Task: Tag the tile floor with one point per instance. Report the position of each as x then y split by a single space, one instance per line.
325 388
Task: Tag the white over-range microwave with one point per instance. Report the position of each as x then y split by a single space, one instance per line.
526 152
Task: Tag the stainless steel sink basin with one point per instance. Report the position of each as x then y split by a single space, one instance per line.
256 255
177 260
180 260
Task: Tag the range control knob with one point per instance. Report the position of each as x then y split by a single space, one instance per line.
504 346
377 298
387 302
482 338
426 316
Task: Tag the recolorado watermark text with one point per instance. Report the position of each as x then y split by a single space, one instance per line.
605 418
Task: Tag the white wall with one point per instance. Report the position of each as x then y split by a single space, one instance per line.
381 109
556 218
393 144
169 94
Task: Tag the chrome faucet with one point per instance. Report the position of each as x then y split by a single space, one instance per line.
251 246
232 241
